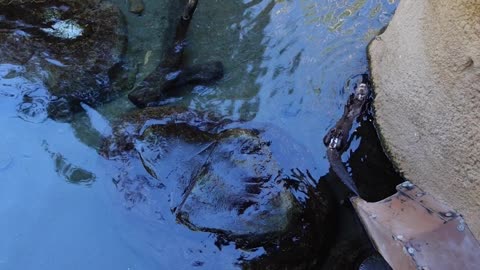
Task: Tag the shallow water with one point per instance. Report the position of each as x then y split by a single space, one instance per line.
290 65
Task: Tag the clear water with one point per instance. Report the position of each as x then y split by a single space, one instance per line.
291 64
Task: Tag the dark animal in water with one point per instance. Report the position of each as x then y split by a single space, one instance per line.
337 137
170 75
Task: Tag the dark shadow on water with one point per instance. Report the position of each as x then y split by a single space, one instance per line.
371 168
347 244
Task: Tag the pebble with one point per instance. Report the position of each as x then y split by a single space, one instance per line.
136 6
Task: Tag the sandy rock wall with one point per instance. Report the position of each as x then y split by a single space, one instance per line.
426 72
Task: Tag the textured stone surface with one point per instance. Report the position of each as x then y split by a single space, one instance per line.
426 71
220 178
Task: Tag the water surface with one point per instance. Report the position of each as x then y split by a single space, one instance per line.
289 64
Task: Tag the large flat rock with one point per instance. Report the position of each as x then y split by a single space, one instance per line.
426 72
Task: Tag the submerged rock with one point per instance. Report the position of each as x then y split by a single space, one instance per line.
222 179
171 75
76 47
236 188
160 122
426 73
136 6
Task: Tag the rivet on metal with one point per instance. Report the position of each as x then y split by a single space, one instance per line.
406 184
448 214
461 227
411 250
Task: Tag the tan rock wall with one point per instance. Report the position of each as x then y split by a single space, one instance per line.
426 72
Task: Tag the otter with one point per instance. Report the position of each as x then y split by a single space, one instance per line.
170 75
337 137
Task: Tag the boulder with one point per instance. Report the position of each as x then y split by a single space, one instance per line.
426 74
236 189
221 177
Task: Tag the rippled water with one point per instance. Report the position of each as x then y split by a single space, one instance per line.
291 64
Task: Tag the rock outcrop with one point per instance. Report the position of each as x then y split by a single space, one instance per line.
426 72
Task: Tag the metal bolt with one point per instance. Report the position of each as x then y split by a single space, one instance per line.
448 214
461 227
407 184
411 250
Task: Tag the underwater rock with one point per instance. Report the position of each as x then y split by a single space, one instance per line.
311 234
221 178
76 47
191 126
237 189
171 74
355 254
166 82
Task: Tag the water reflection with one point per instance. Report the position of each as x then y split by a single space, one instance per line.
33 108
308 64
5 162
70 172
235 29
290 66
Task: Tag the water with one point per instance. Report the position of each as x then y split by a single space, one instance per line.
291 64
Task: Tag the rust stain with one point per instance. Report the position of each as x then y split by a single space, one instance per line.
412 230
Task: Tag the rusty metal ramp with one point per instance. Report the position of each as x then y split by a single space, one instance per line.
412 230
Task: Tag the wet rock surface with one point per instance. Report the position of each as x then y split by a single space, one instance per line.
237 177
76 47
226 180
165 82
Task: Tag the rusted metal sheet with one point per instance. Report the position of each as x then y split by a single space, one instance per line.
412 230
